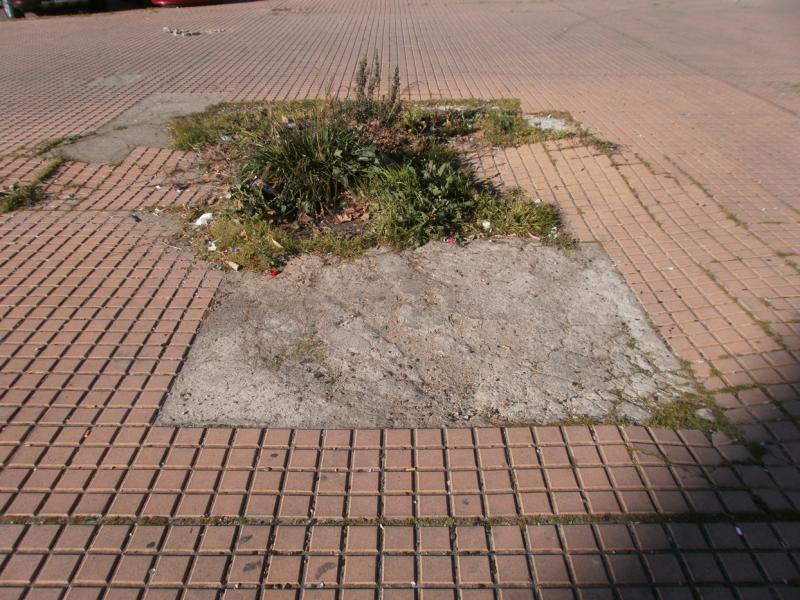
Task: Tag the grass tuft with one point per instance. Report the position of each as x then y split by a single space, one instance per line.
25 196
600 144
682 414
419 202
513 213
233 126
309 165
508 127
53 143
18 197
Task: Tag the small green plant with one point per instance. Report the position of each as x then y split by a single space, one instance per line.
24 196
506 127
415 204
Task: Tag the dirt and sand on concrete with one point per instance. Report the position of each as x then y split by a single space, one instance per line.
144 124
501 331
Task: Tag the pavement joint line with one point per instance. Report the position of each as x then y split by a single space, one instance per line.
703 188
521 521
763 325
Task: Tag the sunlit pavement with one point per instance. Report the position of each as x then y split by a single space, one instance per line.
699 211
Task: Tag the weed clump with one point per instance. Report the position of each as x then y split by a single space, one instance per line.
309 165
24 196
506 128
21 196
419 202
684 413
342 175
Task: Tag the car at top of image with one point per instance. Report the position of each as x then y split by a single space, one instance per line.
14 9
180 2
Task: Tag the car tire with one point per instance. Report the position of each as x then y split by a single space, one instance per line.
11 11
95 5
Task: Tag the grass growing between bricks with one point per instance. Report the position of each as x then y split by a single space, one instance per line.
684 414
761 516
342 175
51 144
24 196
21 196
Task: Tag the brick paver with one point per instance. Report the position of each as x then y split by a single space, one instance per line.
699 210
300 475
680 560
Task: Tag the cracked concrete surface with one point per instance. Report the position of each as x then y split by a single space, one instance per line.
144 124
501 331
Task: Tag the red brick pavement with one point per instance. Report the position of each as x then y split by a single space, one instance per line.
264 475
722 560
699 210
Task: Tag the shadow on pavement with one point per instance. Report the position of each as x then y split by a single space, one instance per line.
111 6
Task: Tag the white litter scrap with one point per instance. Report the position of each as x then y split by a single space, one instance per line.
203 220
211 247
705 414
188 33
549 123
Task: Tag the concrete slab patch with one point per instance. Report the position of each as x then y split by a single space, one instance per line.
141 125
496 332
